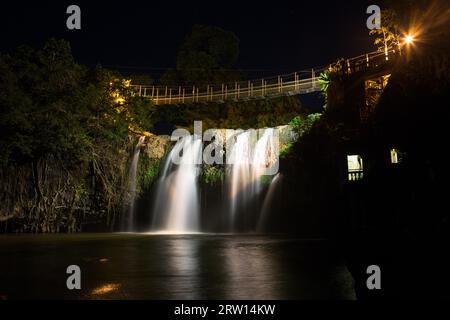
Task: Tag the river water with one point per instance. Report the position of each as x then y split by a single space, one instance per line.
149 266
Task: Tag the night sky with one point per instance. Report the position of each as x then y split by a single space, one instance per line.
143 37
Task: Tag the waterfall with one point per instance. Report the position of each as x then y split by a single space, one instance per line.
249 160
239 177
268 202
176 207
130 216
251 155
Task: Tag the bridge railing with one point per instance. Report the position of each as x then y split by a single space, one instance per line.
243 90
211 94
283 85
366 61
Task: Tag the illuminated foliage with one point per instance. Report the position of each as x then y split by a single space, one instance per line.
388 35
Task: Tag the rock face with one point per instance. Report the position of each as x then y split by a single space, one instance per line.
155 147
286 135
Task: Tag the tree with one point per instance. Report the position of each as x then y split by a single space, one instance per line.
63 126
387 36
208 55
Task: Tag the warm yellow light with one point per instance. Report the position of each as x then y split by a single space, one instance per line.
104 289
126 83
409 39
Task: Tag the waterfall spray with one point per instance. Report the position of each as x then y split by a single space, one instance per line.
250 158
176 207
177 199
268 202
130 216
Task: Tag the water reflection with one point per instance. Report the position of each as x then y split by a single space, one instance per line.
182 268
106 288
132 266
252 271
218 268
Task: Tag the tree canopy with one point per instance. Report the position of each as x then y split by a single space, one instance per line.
49 104
207 55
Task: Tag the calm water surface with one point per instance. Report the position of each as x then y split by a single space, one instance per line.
143 266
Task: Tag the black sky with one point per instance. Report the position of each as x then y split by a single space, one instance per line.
143 36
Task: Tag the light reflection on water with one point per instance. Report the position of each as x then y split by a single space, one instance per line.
140 266
249 268
106 288
183 268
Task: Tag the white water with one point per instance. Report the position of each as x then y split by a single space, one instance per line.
250 158
268 202
177 199
130 223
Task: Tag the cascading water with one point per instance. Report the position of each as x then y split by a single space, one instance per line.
129 221
239 177
268 202
176 207
249 160
177 200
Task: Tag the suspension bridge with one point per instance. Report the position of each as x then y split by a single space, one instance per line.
296 83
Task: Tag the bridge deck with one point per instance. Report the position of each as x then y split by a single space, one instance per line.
282 85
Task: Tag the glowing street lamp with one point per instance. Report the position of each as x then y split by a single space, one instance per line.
409 39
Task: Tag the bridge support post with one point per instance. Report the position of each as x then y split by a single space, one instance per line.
183 95
193 94
153 91
262 87
179 94
295 81
157 95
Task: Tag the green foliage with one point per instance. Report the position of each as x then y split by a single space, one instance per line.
296 121
52 106
266 180
303 125
285 150
324 81
212 175
233 115
388 35
207 55
64 129
148 172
